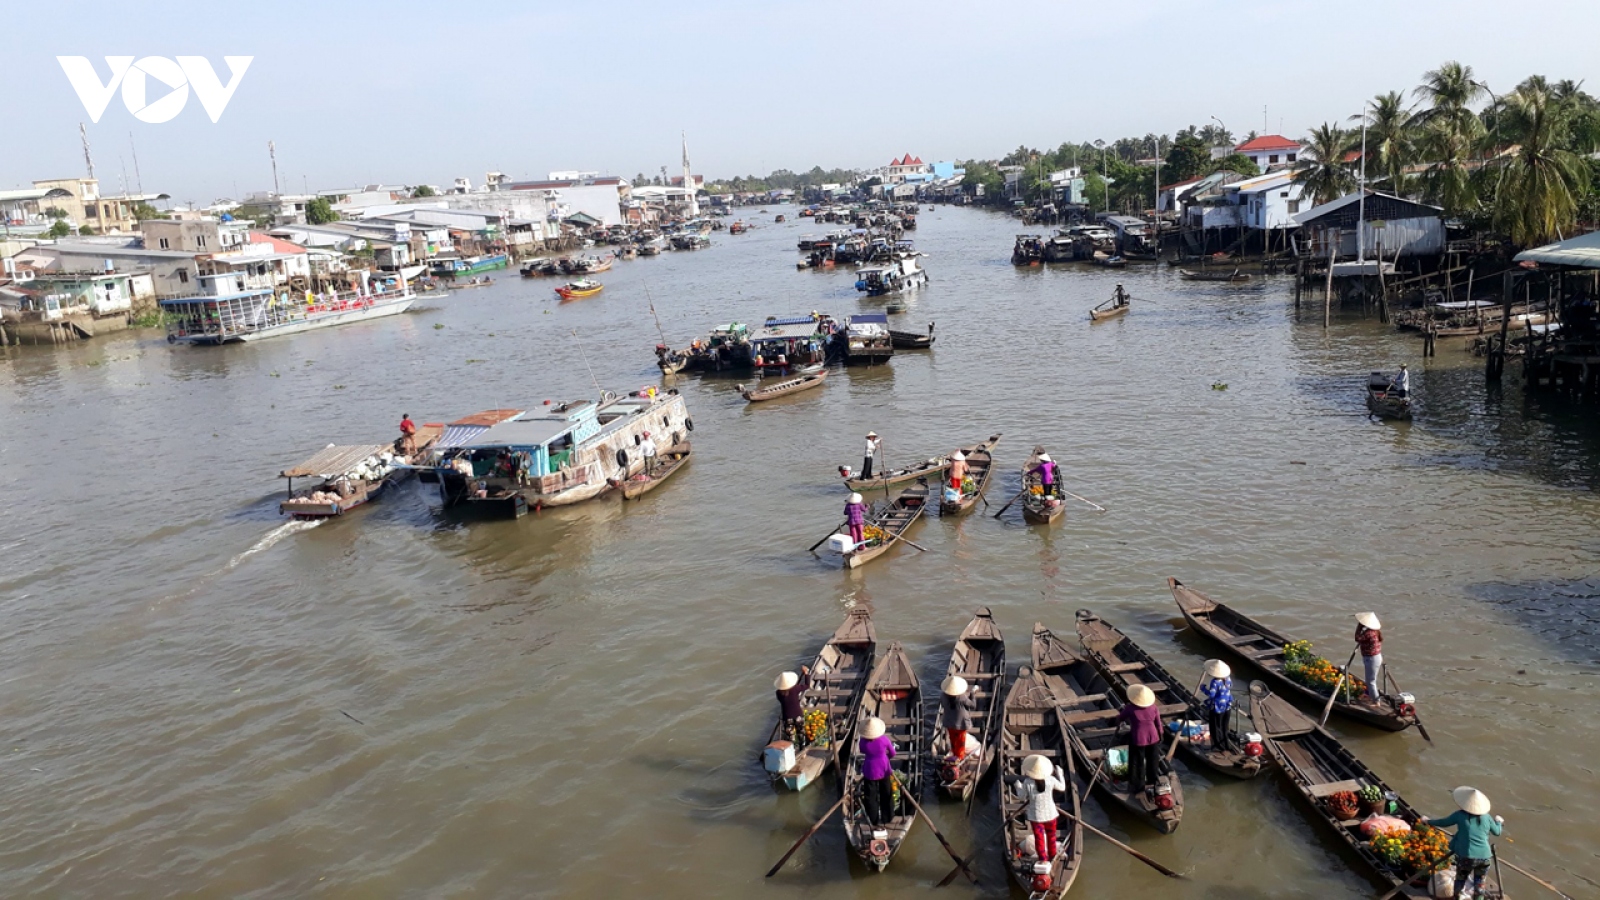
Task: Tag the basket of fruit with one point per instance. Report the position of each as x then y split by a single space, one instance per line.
1371 797
1343 805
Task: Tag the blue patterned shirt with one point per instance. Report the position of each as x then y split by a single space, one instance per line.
1219 694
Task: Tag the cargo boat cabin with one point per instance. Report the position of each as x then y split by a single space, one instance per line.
556 455
790 342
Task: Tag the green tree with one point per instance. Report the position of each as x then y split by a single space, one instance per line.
1389 145
1536 199
1234 162
55 212
59 229
1186 159
143 211
320 212
1321 168
1447 133
423 190
985 174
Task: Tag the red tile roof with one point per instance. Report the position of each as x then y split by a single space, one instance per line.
1268 142
278 246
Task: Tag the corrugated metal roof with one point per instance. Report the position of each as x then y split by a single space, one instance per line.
334 460
488 417
1582 251
522 433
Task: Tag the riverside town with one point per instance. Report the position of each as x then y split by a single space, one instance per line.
1197 500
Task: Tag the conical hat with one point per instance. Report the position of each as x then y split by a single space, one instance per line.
958 456
1370 620
873 729
786 680
856 498
955 686
1044 457
1216 668
1037 766
1471 800
1141 696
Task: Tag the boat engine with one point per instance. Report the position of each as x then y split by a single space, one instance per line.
1252 745
844 471
1405 704
1042 882
1164 797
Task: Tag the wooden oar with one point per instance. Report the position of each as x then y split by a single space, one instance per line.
891 536
809 832
1132 852
1004 824
1421 729
1177 735
1076 497
1327 708
1011 501
813 547
1536 879
960 863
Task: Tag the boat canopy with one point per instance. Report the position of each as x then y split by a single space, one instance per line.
334 460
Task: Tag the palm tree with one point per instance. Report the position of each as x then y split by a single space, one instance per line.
1447 132
1536 199
1389 142
1322 168
1449 92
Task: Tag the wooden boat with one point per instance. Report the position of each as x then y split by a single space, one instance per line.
893 695
1089 714
1102 258
911 340
1318 766
838 679
980 462
934 467
1124 664
349 476
784 388
1032 725
671 361
1263 648
1383 402
1118 305
1200 275
891 520
475 282
1037 509
577 290
979 657
668 462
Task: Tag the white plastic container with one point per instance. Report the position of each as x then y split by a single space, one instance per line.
841 543
778 757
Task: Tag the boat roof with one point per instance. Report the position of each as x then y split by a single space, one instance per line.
785 331
334 460
1465 304
523 432
869 319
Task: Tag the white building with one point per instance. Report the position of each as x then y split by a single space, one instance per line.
1270 151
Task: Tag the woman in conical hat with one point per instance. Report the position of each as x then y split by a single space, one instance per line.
791 688
1036 789
1144 743
877 794
855 514
956 703
1470 843
1218 700
1369 638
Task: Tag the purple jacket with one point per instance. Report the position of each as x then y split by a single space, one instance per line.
875 756
1146 722
856 512
1047 472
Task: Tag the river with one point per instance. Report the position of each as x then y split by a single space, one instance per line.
203 700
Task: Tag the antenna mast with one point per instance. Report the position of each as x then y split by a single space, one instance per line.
273 152
138 179
87 159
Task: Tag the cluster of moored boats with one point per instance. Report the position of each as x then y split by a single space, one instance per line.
499 463
793 346
1064 704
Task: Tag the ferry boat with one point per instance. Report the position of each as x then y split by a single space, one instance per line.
901 274
228 310
456 266
556 455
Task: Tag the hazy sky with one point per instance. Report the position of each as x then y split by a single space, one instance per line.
404 92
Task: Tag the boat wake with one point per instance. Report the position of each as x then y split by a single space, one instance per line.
271 538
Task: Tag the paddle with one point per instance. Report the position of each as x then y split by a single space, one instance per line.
1076 497
895 537
1536 879
1176 735
1327 708
960 863
804 837
1011 501
1005 823
1421 729
813 547
1132 852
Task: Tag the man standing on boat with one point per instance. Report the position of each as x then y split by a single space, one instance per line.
1401 383
1369 639
872 451
647 449
408 435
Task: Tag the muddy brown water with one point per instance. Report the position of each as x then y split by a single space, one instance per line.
202 700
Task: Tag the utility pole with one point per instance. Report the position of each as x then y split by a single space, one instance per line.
138 179
273 153
87 159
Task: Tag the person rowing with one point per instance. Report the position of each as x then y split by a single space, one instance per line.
1218 700
1037 789
957 702
1047 472
1470 843
1369 640
791 688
